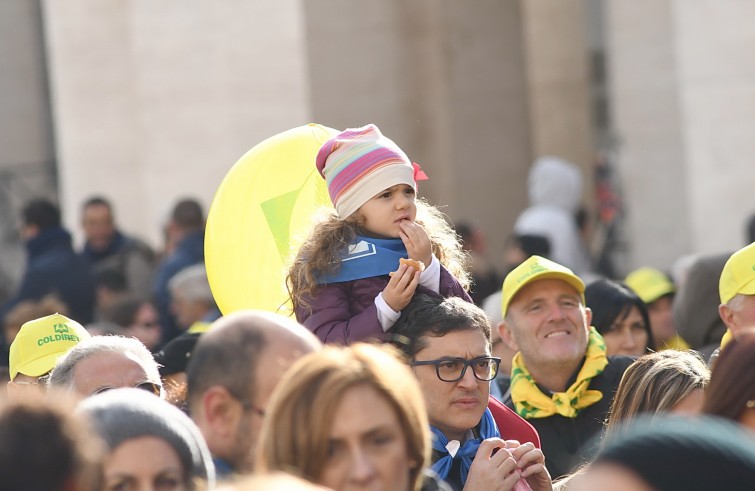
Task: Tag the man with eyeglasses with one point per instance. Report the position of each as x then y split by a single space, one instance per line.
231 376
562 382
447 342
103 363
37 347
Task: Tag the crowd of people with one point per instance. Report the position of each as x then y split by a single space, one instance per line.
402 367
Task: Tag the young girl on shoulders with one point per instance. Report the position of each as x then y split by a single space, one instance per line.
346 282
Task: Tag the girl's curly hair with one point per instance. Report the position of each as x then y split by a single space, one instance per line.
321 251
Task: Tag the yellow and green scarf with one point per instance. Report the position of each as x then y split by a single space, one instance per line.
529 400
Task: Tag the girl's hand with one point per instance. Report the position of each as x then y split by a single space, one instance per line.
416 241
400 288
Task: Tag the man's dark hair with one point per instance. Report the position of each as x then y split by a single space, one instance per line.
42 213
188 214
97 201
227 358
428 315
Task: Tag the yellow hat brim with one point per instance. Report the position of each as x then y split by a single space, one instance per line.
38 367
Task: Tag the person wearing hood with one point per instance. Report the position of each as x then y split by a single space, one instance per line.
555 192
52 265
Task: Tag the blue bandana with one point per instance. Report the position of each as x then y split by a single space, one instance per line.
467 452
366 258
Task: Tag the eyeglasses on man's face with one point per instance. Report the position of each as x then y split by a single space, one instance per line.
246 404
448 369
148 386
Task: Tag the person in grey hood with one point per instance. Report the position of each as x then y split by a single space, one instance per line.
555 192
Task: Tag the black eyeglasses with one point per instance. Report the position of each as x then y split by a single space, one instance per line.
485 368
148 386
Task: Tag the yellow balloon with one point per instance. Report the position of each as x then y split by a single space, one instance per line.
264 205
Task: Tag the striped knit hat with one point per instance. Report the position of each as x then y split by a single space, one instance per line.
358 163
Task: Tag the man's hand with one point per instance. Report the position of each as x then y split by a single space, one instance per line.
416 241
493 468
400 288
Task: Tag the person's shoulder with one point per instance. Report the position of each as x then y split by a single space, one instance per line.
135 245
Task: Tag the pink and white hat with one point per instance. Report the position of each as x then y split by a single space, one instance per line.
358 163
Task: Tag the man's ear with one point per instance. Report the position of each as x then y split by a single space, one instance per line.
504 331
588 317
727 316
221 411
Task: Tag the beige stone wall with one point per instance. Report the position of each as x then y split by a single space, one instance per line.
446 81
716 63
682 80
25 138
647 118
155 101
557 71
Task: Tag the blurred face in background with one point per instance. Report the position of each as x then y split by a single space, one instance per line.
661 320
97 222
627 336
146 326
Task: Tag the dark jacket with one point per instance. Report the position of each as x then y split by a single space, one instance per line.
345 312
131 258
54 268
188 252
570 442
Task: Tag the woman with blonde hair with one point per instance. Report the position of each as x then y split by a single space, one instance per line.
347 416
666 381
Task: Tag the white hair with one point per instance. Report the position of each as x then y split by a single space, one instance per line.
62 374
192 283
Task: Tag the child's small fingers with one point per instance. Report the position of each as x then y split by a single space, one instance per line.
413 283
397 275
406 278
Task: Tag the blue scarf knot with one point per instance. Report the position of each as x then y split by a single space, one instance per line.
467 452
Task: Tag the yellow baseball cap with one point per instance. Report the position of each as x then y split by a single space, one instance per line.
40 342
738 275
537 268
649 284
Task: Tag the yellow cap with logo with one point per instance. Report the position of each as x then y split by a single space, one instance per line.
40 342
649 284
537 268
738 275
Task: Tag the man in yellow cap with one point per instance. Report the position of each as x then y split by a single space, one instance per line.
737 290
657 290
562 382
37 347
